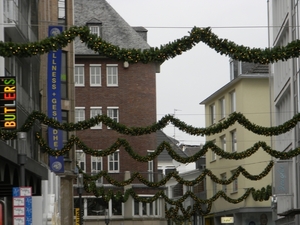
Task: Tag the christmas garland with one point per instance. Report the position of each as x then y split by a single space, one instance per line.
164 146
199 179
162 123
153 54
109 194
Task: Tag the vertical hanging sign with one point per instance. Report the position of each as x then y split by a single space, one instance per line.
55 136
8 109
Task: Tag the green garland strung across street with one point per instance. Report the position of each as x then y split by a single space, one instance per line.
109 194
199 179
153 54
162 123
165 146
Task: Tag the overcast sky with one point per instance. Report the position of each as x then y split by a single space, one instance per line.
191 77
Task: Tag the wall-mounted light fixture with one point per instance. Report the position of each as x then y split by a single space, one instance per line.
126 64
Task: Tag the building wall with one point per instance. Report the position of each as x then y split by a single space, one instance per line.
135 96
248 91
49 15
284 28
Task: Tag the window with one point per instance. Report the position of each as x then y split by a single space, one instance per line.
234 183
212 114
214 187
63 76
95 30
61 9
79 75
113 162
80 156
224 187
117 207
94 111
113 113
96 167
96 206
112 75
213 154
95 75
79 114
222 107
150 169
223 143
232 101
233 141
146 209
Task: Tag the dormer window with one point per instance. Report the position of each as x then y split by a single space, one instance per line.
95 30
95 26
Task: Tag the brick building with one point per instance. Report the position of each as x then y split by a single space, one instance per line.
126 93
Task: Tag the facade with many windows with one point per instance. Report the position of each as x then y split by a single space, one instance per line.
251 82
126 93
284 20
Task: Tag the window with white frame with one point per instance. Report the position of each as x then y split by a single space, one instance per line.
96 167
146 209
95 75
95 111
80 156
223 142
95 30
150 168
79 75
61 9
114 162
233 141
235 186
232 101
112 75
113 113
222 107
212 109
79 114
224 187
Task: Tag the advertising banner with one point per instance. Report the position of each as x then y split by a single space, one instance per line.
55 136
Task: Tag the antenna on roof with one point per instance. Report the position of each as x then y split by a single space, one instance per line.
175 110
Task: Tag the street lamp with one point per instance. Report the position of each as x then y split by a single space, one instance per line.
22 138
106 220
80 190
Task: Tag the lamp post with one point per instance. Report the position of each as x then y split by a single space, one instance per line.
106 220
22 138
80 190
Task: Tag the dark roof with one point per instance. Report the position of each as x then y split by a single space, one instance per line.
115 29
258 68
164 156
192 150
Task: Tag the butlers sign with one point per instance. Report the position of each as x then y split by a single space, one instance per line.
8 114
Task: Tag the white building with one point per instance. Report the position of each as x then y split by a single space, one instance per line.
283 29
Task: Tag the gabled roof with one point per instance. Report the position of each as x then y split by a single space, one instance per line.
115 29
164 156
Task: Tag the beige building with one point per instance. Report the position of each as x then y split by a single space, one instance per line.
246 93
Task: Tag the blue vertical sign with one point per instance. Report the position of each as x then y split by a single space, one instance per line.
55 136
